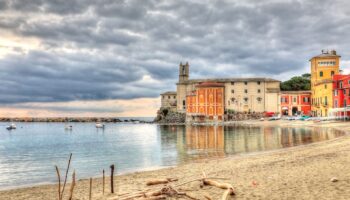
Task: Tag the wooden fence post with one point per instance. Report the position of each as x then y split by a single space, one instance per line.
103 182
90 189
112 175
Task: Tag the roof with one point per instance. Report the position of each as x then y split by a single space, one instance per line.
169 93
326 54
296 92
210 84
224 80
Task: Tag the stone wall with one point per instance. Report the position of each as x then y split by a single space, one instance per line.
239 116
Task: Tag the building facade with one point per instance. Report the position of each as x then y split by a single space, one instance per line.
323 68
295 103
168 100
240 94
341 96
206 103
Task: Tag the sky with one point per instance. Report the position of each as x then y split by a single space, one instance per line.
112 58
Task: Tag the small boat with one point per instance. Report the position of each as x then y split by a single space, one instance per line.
68 127
12 126
99 125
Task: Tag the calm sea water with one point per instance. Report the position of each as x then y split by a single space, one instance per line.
29 153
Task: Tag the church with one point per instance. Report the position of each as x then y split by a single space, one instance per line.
209 99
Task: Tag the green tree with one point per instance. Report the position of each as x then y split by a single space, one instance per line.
297 83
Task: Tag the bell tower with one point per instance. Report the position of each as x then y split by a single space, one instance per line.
184 72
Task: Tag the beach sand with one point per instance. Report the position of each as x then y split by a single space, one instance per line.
302 172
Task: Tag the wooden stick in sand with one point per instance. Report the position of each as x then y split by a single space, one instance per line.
72 186
67 170
90 188
112 175
103 182
59 182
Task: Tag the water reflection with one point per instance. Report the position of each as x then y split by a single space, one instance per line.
196 142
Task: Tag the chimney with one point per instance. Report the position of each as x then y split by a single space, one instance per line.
334 52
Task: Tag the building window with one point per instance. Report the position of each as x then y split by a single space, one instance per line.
245 83
163 97
332 73
245 99
321 73
259 90
344 102
258 82
174 97
245 91
232 91
168 97
336 103
344 91
341 84
184 104
294 99
259 99
325 101
325 86
335 92
232 83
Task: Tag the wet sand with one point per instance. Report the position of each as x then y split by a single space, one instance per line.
302 172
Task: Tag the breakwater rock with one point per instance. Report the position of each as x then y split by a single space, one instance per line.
73 119
165 115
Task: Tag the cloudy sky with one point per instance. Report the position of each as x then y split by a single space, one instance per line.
114 57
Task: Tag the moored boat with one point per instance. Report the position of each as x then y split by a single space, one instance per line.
99 125
10 127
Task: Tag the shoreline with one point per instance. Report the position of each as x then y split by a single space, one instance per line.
136 180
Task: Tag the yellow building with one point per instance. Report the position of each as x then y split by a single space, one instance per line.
323 67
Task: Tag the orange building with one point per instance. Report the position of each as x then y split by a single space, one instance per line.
295 103
206 102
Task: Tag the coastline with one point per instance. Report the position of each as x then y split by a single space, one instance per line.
300 172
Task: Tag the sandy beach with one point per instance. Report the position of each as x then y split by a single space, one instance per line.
302 172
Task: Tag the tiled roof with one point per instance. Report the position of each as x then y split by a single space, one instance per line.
210 84
169 93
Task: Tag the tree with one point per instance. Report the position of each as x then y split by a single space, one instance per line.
297 83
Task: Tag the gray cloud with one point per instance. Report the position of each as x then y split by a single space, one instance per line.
127 49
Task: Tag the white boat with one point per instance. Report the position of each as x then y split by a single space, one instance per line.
68 127
12 126
99 125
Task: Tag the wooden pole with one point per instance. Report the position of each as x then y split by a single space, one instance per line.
90 189
103 182
72 186
112 175
59 182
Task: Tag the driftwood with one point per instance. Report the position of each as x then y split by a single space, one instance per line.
72 186
229 189
59 183
171 191
160 181
227 194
